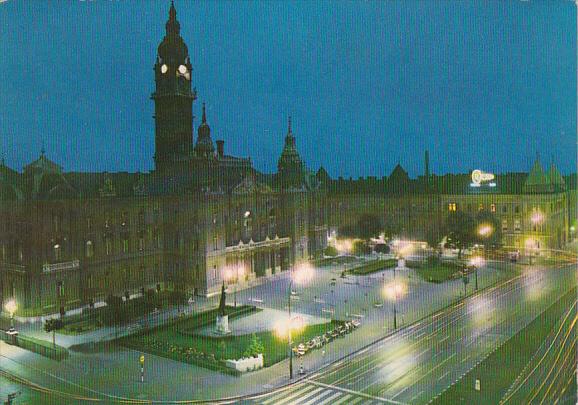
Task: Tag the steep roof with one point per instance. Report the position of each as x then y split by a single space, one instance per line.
537 181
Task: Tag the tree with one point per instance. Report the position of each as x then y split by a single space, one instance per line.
432 238
369 226
178 298
52 325
361 248
382 248
460 230
330 251
255 348
116 312
494 236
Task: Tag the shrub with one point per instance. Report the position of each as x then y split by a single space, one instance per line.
330 251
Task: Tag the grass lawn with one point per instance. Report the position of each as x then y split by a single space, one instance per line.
497 372
436 272
372 267
78 328
179 342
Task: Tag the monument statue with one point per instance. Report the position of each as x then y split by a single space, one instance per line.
222 325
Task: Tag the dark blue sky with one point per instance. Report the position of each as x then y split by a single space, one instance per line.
480 84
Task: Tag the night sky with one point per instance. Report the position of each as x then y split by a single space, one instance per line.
368 84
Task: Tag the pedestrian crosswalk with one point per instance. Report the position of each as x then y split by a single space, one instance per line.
309 393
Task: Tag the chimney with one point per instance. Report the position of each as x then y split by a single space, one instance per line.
220 148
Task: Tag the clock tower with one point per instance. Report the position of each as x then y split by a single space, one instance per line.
173 97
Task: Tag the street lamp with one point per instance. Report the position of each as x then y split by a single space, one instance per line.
302 274
485 231
11 309
393 291
475 263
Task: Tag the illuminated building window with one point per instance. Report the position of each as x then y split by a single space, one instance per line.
504 225
517 226
493 207
452 207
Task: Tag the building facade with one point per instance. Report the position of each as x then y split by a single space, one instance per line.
203 217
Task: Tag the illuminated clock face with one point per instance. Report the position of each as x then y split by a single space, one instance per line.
182 69
164 68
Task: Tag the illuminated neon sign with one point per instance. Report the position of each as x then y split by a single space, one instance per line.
479 177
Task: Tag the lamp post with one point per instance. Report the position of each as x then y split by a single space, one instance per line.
537 218
11 309
393 292
301 275
289 340
475 263
485 231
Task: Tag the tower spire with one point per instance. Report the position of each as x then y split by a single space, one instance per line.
173 26
289 126
204 115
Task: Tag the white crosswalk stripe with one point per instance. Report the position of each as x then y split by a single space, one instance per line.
285 393
301 399
310 394
330 398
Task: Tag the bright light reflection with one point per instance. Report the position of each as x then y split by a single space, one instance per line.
485 230
282 326
402 359
477 261
11 306
395 290
480 311
303 273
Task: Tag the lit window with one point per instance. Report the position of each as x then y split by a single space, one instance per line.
452 207
517 226
493 207
504 225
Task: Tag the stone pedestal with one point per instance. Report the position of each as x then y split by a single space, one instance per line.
222 325
400 264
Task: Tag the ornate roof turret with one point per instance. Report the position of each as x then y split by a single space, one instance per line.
173 49
537 181
290 159
204 146
556 179
291 169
